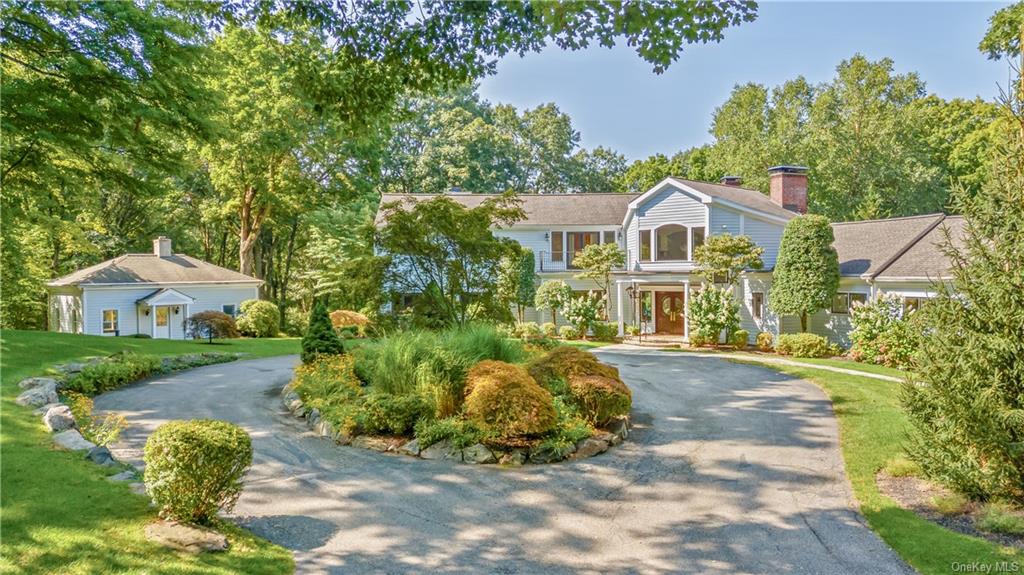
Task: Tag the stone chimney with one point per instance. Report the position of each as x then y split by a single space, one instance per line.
162 247
734 181
788 187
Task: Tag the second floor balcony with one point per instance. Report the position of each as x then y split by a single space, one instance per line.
548 261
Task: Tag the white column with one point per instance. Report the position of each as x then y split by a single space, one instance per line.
686 309
619 289
152 321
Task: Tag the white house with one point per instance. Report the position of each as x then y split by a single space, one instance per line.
659 229
151 294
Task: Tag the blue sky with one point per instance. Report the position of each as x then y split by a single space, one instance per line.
615 100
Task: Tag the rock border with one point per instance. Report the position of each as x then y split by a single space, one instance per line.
42 393
478 454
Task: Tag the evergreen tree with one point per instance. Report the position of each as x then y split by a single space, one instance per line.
320 338
966 403
807 270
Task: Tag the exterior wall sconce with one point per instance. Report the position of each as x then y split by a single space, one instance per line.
176 310
147 310
619 234
547 236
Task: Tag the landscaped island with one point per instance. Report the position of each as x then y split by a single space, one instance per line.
466 394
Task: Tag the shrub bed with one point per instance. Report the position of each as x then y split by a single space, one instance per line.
126 368
465 390
805 345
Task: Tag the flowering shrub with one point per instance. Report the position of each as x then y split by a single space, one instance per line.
583 311
712 311
881 334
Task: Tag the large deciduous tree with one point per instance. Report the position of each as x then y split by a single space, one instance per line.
445 253
806 274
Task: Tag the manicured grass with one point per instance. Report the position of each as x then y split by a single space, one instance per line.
872 429
587 344
59 514
811 361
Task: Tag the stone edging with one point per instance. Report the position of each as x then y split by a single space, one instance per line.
444 451
41 393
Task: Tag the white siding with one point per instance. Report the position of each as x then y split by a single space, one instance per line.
632 244
765 234
724 221
65 310
533 239
769 321
132 318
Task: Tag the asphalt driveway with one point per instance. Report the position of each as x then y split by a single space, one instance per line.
730 469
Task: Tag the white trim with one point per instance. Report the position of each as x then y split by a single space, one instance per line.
256 283
743 225
702 197
103 321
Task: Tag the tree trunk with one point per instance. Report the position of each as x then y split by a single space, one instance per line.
803 322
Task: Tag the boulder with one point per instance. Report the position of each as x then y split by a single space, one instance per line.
73 440
548 455
138 488
324 428
40 411
442 450
39 395
342 437
514 458
127 475
59 418
102 456
313 417
410 448
370 442
620 427
296 407
589 447
478 454
36 382
187 538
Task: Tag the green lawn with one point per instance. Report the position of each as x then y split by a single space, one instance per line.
832 361
589 344
872 428
57 512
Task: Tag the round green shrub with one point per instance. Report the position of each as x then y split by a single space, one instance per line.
569 332
765 341
195 468
805 345
506 402
739 338
600 398
565 361
397 414
211 324
549 329
259 318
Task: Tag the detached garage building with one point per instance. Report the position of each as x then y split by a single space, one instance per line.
151 294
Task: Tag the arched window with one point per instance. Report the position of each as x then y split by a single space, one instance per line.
671 241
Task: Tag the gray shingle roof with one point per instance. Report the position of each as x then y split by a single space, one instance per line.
925 258
894 247
149 268
743 196
544 209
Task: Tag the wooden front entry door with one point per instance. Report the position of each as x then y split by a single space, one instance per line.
162 324
668 312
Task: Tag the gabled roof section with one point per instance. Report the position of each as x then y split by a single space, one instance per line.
895 247
542 209
742 199
152 269
925 259
166 296
745 197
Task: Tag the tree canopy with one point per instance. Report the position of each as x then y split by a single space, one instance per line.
806 274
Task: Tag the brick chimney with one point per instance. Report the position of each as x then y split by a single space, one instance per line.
788 187
162 247
734 181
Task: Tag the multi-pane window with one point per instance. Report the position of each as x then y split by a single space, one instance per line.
609 236
912 304
698 238
110 321
228 309
843 301
645 245
757 305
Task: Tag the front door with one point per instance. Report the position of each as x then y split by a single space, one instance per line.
162 327
668 312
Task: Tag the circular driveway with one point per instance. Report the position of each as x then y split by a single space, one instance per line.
729 469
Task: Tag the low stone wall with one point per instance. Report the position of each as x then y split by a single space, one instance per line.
445 451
